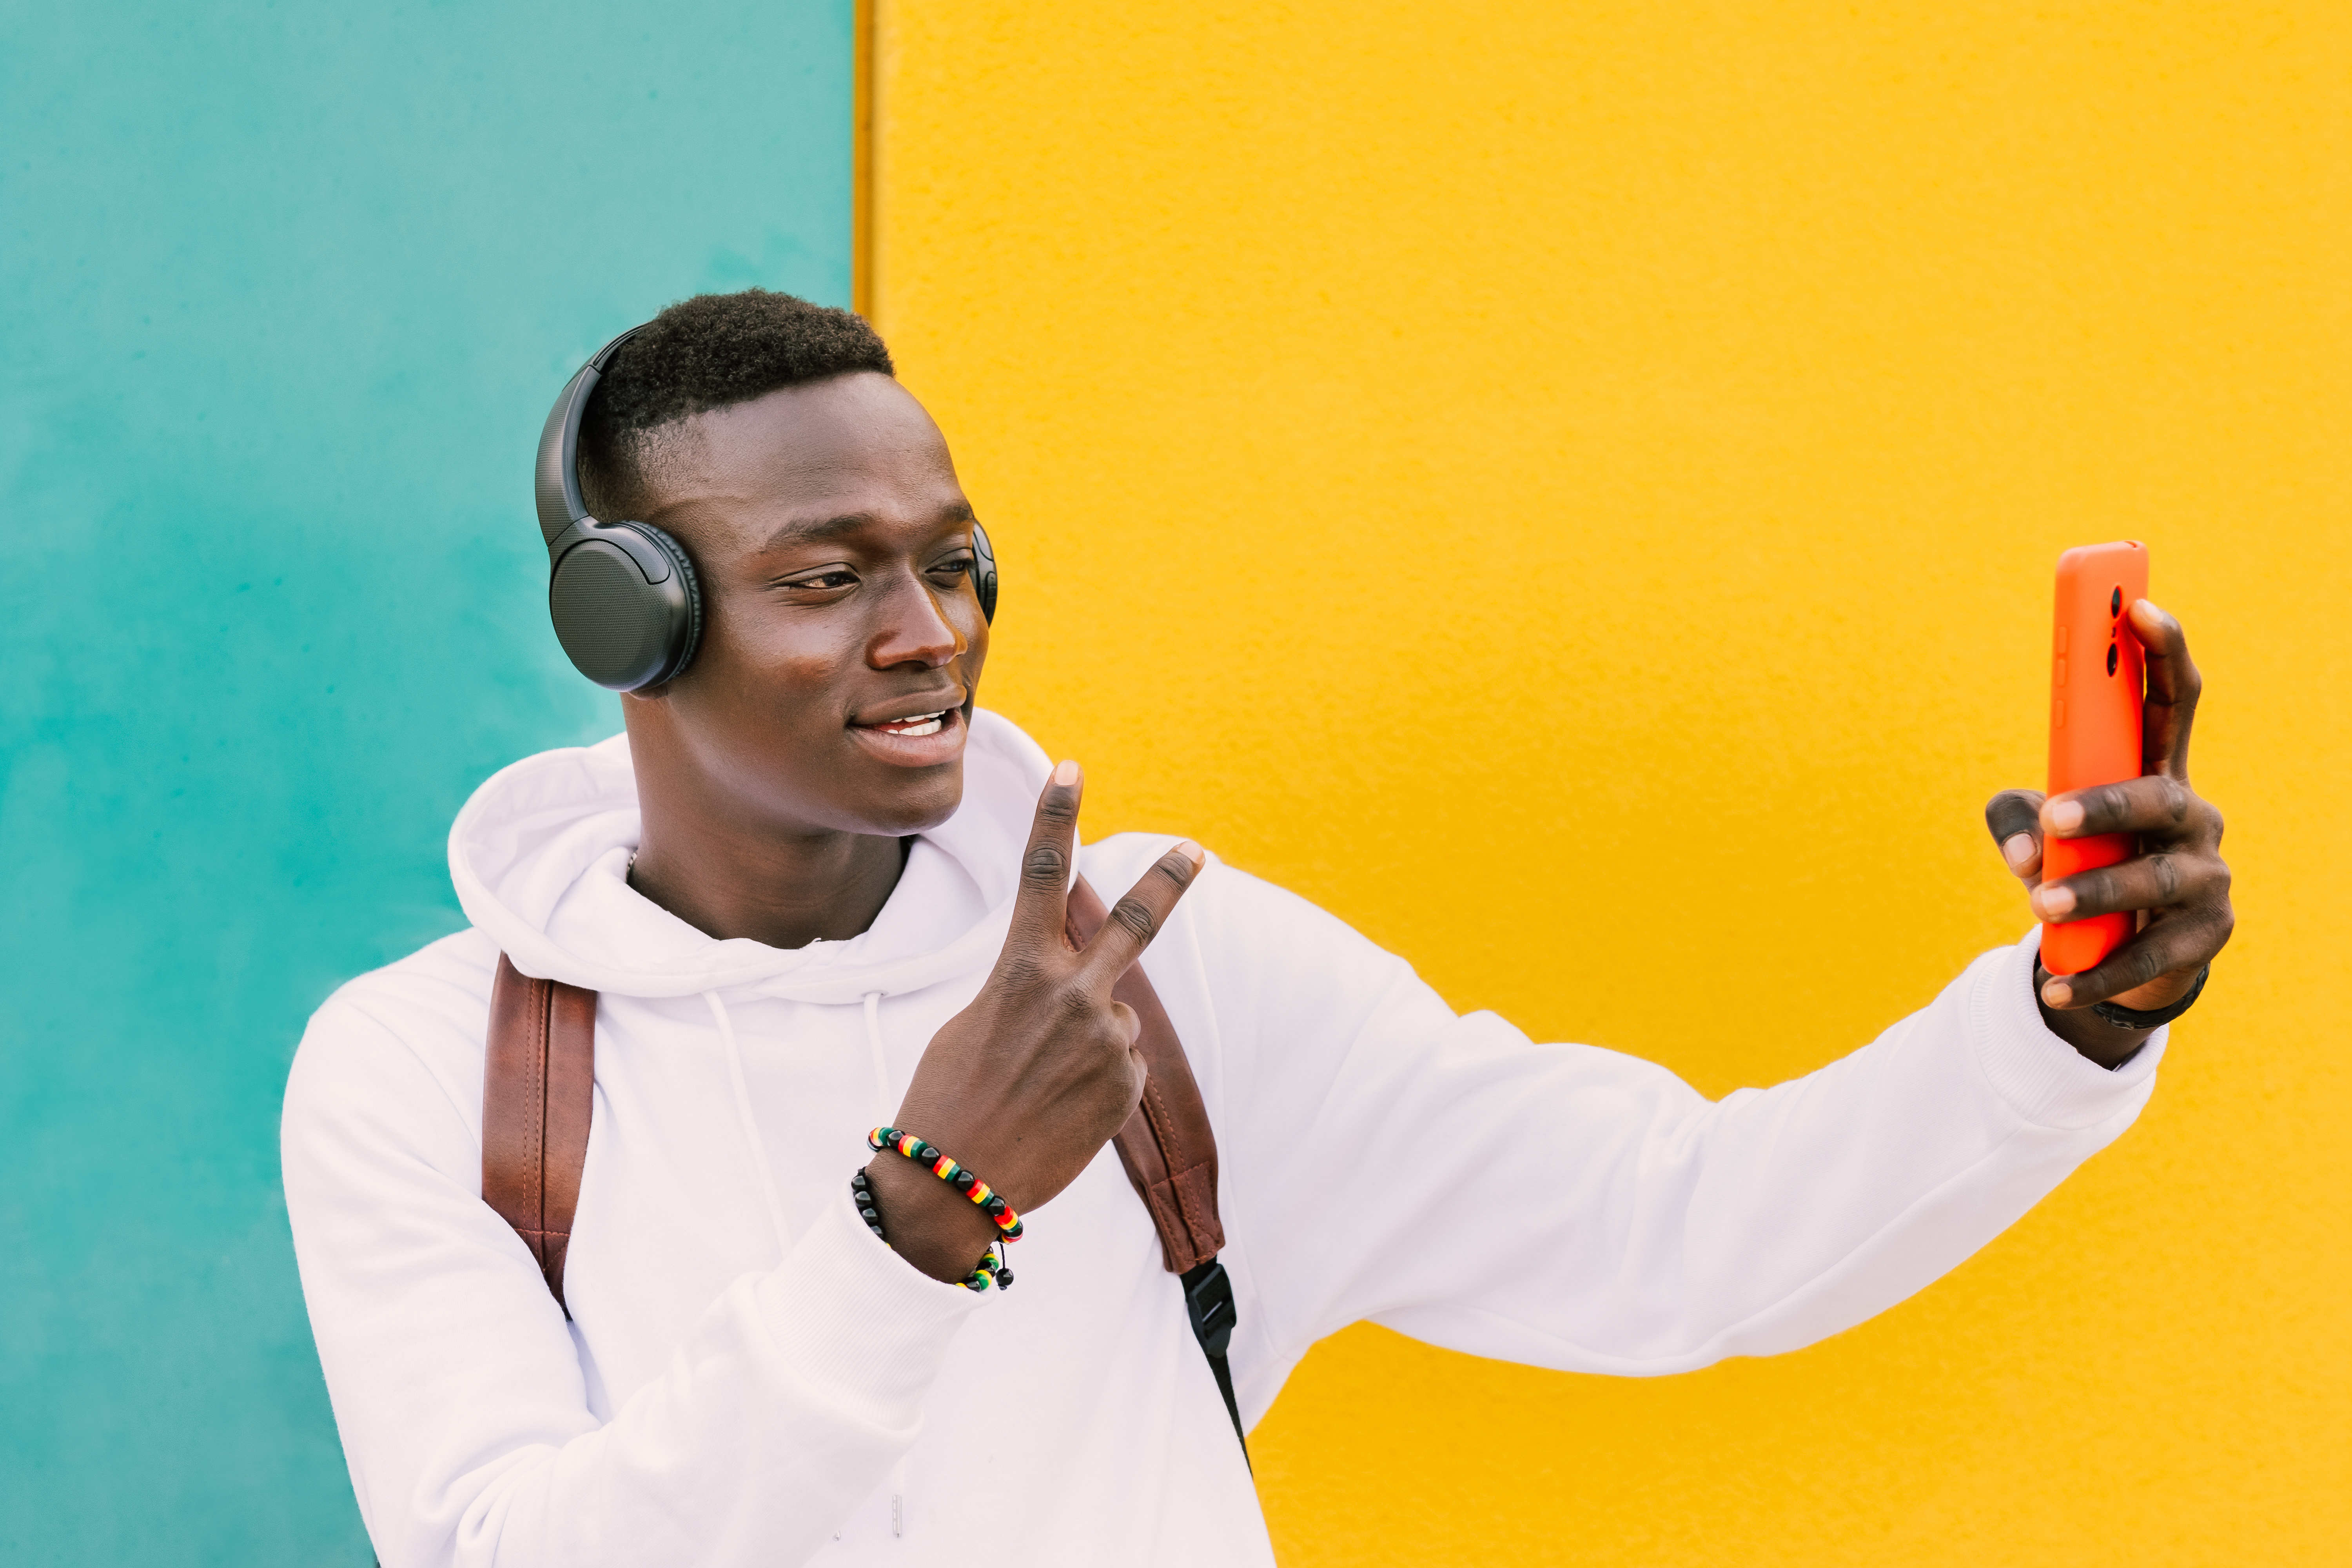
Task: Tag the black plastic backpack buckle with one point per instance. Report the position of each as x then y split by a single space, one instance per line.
1209 1302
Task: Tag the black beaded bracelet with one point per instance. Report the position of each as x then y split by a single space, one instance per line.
2132 1018
990 1271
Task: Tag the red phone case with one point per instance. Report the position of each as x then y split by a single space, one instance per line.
2096 687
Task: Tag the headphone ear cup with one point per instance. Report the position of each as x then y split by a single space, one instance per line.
983 571
689 635
626 605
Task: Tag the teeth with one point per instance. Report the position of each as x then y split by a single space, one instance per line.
916 724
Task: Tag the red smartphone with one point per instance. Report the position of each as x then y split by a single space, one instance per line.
2097 680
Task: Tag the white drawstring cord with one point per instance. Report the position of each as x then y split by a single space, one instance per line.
883 1108
883 1111
750 1128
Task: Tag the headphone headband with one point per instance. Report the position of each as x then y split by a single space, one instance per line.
556 486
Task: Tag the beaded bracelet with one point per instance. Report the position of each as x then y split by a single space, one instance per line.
988 1270
953 1175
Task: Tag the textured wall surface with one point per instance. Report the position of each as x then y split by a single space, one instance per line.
285 291
1573 490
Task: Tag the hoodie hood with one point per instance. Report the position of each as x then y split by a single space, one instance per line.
539 857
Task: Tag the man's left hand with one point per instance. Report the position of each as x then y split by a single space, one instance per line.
2178 884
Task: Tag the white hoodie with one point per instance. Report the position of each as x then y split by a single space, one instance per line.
753 1378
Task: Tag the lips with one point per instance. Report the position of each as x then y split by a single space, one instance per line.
913 725
910 716
911 736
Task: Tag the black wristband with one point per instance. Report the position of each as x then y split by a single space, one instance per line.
2131 1018
861 1192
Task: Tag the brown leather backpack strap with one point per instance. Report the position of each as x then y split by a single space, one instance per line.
1171 1154
538 1085
1167 1146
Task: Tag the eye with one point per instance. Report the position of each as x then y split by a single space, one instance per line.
961 566
839 577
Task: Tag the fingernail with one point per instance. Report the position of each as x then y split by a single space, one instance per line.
2054 902
2057 993
2066 815
1194 853
2017 849
1065 774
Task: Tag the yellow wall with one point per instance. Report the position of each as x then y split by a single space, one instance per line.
1572 489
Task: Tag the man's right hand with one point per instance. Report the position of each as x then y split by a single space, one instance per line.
1026 1084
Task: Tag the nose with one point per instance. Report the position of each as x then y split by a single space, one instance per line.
914 628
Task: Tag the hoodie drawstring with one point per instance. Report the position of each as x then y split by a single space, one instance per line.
768 1178
882 1106
750 1128
882 1110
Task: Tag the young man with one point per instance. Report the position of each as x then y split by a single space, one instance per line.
816 889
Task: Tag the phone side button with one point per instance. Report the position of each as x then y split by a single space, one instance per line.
2058 713
2058 676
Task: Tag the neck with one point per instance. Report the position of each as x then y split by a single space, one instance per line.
781 887
781 894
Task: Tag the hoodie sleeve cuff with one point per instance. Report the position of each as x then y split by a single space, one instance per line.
856 1319
2048 1081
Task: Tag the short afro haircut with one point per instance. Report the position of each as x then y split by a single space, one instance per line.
709 351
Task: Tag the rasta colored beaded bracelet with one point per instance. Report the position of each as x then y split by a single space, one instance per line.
991 1203
988 1270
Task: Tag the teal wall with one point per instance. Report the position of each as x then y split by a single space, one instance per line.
285 291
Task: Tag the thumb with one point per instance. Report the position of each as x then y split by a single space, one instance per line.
1142 1070
2014 818
1139 1068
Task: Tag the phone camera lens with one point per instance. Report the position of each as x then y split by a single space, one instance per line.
2115 603
2111 658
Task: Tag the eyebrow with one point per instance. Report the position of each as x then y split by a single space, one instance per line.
817 530
811 531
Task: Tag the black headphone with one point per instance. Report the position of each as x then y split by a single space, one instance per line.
623 597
